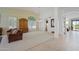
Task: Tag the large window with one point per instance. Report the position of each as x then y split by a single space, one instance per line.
8 21
12 22
75 24
32 23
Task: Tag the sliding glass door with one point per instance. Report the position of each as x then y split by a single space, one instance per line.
75 24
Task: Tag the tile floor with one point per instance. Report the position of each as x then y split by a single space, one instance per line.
69 43
43 41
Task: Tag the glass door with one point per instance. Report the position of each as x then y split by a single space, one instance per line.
75 25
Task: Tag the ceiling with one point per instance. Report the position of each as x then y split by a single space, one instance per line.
34 9
38 9
69 9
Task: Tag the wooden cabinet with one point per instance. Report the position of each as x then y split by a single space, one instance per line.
23 25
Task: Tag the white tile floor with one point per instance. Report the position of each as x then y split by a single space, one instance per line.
69 43
29 41
43 41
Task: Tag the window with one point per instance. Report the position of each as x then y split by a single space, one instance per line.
12 22
32 23
75 24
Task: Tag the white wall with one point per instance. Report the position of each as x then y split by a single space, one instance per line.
56 22
45 14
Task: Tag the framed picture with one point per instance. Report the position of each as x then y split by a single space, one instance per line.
52 22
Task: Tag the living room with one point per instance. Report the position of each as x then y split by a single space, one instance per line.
21 24
38 28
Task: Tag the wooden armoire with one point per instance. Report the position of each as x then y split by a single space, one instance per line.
23 25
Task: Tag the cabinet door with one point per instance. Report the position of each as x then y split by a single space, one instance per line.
23 25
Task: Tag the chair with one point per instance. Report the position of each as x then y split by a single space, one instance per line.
14 35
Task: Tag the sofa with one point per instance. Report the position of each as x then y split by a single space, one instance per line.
14 35
1 31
